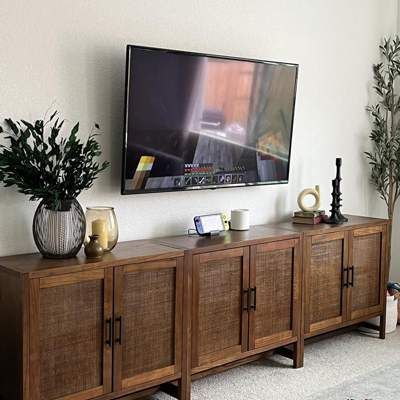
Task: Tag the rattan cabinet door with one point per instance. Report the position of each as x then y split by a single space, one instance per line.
219 323
70 344
147 322
367 271
325 263
275 303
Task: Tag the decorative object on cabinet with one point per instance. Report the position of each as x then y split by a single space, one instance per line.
93 248
240 219
54 170
102 221
308 217
316 193
336 216
59 233
384 157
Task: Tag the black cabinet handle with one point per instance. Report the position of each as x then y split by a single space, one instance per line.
351 283
118 339
345 281
253 298
245 300
109 331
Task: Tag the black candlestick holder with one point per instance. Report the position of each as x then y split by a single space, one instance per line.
336 216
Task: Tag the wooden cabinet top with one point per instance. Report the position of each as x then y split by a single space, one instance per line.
138 251
353 223
229 239
132 252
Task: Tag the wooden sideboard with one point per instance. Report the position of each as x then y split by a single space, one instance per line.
157 314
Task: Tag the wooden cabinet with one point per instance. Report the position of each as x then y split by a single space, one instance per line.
156 314
220 326
244 299
80 330
344 275
69 345
147 328
79 321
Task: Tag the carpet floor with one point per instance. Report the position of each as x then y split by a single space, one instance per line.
350 366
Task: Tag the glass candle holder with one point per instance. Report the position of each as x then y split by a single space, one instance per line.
102 221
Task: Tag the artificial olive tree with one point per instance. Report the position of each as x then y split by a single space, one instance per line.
384 157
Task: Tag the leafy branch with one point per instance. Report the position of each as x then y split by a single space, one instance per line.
44 166
385 134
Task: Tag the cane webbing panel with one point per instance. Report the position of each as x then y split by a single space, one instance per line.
325 280
71 338
366 261
148 321
219 314
274 282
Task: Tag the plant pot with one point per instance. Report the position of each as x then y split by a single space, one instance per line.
391 315
59 233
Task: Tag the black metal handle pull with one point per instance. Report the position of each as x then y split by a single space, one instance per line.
109 331
253 298
118 339
345 281
245 300
351 283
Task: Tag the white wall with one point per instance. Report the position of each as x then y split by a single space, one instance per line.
395 269
71 55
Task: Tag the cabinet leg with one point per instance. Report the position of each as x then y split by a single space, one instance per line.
184 389
382 327
298 354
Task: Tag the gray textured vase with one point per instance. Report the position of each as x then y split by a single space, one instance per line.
59 234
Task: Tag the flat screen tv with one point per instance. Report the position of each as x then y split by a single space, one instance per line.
200 121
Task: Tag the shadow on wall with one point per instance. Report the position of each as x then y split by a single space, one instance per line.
16 222
286 203
105 92
96 89
280 208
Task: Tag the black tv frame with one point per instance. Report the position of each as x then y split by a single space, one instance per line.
129 48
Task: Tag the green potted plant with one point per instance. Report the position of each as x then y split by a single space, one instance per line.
55 170
384 157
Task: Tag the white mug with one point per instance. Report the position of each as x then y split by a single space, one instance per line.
240 219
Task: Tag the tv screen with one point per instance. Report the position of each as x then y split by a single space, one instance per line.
196 121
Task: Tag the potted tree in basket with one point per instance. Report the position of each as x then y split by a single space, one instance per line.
384 157
54 170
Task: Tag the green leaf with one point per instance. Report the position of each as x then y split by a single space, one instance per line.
75 129
53 115
12 125
48 166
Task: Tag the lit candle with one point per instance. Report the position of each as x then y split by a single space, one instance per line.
99 227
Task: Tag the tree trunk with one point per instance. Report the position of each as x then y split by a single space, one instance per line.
389 244
389 238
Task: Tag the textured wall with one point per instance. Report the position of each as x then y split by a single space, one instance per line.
395 269
71 55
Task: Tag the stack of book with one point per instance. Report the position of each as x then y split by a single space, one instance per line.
308 217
